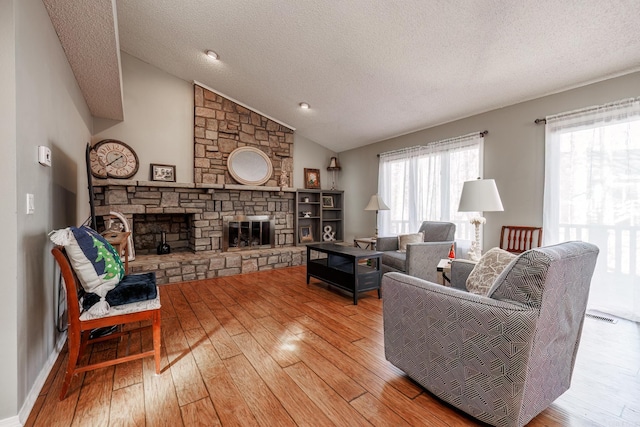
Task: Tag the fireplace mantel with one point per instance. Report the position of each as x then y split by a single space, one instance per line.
160 184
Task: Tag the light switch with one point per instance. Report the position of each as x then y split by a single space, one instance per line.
30 204
44 155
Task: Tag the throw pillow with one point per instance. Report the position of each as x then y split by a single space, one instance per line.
488 268
96 263
132 288
404 239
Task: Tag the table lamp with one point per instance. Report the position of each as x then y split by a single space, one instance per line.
376 204
333 167
480 195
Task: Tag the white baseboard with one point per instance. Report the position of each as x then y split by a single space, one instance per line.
10 422
37 386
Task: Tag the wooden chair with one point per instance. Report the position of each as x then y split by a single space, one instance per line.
517 239
80 328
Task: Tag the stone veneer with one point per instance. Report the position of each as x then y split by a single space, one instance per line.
221 126
206 207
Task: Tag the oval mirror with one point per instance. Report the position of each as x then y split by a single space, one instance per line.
249 166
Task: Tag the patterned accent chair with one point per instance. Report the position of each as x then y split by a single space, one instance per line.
502 358
420 259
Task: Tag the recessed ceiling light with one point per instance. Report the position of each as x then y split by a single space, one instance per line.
304 106
211 54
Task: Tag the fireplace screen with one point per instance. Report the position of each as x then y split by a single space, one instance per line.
248 232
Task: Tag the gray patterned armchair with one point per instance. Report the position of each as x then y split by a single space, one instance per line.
502 358
420 259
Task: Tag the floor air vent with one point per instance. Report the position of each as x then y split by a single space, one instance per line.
600 316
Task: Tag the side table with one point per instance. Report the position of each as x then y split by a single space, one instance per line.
444 267
120 242
365 243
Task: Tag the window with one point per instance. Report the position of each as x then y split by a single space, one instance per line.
424 184
592 193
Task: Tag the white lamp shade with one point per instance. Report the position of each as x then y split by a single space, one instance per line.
376 204
333 164
480 195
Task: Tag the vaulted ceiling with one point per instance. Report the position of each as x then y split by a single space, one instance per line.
369 69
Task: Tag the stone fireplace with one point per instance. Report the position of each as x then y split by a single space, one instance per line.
259 234
193 218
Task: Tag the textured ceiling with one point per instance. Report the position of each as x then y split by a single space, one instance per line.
88 33
373 69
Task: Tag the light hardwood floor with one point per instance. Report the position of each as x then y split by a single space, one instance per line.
267 349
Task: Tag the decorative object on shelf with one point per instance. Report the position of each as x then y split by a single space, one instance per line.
333 167
329 235
327 201
480 195
249 166
311 178
306 234
287 166
376 204
452 252
165 173
163 247
306 214
284 178
113 159
305 199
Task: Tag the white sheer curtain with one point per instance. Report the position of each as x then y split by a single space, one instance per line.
592 193
424 183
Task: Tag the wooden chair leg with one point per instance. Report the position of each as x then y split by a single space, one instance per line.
156 339
74 353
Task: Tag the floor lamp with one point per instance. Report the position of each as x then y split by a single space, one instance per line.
376 204
480 195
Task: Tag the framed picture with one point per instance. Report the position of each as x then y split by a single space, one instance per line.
311 178
165 173
306 235
327 201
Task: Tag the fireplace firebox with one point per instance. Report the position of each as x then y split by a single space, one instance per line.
248 232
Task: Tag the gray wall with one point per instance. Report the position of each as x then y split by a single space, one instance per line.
158 119
513 156
48 109
308 154
8 214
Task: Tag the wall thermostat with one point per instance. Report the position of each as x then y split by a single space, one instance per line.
44 155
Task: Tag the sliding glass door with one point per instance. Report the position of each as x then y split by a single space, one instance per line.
592 193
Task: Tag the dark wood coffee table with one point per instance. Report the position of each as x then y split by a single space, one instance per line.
342 268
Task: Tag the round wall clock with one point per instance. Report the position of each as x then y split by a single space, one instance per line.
97 168
113 159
